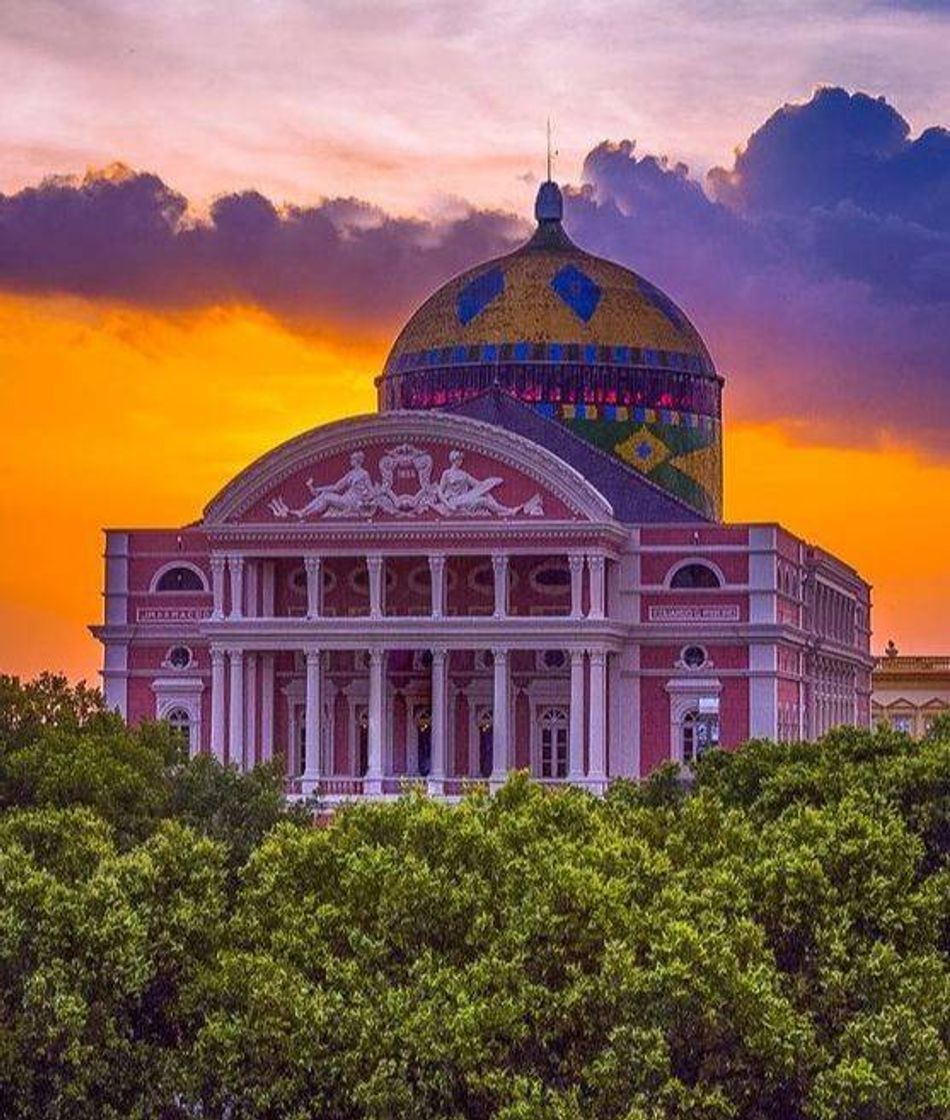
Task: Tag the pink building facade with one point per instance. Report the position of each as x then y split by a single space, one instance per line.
478 583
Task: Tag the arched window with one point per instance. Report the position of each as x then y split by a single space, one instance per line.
180 722
552 727
180 579
700 730
362 742
486 744
692 576
423 722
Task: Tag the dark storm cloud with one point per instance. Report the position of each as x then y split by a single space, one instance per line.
128 236
818 266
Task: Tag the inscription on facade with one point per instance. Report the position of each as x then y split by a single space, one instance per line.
694 614
172 614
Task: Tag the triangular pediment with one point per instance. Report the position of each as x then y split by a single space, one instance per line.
407 467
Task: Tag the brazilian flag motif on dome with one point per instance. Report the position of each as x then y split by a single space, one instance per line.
679 452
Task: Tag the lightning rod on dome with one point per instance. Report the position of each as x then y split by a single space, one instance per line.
552 152
549 149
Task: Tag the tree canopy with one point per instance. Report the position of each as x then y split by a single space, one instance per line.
769 940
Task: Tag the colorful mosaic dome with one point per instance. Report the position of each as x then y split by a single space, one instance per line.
583 340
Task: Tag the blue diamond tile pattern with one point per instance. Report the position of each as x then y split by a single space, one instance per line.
578 291
478 294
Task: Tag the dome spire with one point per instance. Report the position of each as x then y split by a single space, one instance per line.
549 205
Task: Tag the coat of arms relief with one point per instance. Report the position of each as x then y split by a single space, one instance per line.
406 489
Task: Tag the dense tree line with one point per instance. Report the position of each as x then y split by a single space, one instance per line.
768 940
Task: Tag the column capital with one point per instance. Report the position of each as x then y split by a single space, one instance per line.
439 655
236 655
575 561
312 563
312 654
217 654
596 559
436 559
218 561
597 656
499 560
235 561
577 657
374 559
375 655
499 653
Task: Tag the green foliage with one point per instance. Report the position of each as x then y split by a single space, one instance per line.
237 809
49 701
768 941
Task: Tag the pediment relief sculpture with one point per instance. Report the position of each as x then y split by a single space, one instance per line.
406 489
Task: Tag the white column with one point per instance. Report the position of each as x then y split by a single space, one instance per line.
314 586
500 706
597 770
374 565
268 579
250 708
267 706
437 574
575 562
440 664
217 702
218 563
236 724
595 564
236 569
372 783
312 720
499 563
576 745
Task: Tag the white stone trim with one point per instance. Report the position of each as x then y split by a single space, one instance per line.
685 694
117 578
115 678
170 566
185 693
763 691
704 562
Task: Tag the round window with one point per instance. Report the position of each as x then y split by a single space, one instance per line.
554 658
179 657
693 657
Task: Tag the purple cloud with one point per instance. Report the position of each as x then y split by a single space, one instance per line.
818 266
128 236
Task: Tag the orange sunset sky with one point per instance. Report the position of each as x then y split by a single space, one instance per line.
154 340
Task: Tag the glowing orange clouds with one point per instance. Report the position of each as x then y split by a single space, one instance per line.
117 417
